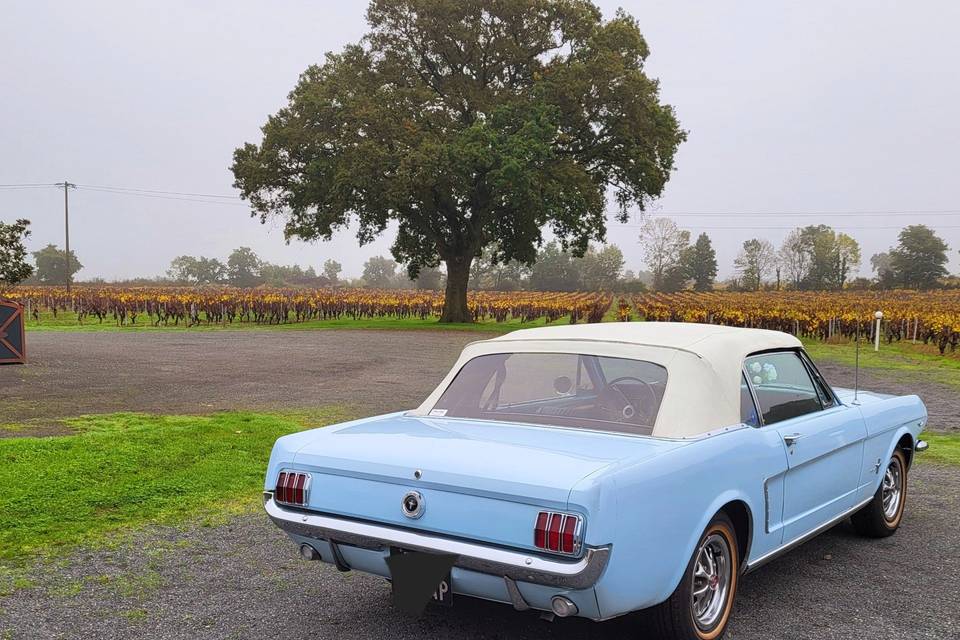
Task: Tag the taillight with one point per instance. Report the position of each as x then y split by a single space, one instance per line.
293 488
557 532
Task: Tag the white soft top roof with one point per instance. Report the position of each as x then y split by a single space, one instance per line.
704 363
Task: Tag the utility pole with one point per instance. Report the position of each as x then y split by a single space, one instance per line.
66 225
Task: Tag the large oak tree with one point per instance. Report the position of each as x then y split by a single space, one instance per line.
468 123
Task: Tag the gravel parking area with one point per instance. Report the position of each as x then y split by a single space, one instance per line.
179 372
375 371
244 579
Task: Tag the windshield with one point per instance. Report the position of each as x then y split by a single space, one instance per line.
562 389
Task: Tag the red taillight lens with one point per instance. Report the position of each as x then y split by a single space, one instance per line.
540 531
553 532
298 489
292 488
557 532
567 534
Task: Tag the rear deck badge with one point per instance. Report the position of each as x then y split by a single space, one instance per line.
412 505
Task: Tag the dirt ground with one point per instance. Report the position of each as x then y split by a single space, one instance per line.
71 374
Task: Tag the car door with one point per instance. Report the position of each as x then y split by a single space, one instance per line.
823 439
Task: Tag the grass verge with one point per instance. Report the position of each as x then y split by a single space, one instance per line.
68 322
944 448
119 471
924 361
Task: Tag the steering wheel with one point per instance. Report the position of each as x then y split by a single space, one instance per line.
628 410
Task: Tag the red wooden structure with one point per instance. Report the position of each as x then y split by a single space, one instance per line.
13 344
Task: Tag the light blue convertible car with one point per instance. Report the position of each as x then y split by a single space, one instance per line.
596 470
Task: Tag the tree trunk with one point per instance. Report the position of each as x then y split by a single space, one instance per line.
455 303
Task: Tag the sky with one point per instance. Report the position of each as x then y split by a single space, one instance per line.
841 113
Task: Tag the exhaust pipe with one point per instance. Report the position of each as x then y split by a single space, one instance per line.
309 553
563 606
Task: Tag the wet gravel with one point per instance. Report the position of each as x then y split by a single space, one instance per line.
204 371
200 372
942 401
244 579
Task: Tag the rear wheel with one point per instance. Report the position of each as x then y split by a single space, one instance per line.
882 515
699 608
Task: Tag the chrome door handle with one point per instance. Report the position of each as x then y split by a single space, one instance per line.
792 438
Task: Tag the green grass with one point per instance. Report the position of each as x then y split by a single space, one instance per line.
944 448
68 322
120 471
922 361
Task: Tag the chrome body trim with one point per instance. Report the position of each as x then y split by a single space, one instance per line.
581 573
796 542
766 505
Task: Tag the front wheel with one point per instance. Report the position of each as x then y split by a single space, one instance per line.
699 608
882 515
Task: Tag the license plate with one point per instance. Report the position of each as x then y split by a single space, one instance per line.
444 593
409 575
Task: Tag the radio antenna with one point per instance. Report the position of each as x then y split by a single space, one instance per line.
856 370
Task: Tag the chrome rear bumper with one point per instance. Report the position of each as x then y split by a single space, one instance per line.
580 573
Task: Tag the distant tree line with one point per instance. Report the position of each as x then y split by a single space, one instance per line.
599 269
244 268
814 257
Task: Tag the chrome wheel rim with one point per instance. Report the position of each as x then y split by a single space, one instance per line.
892 489
712 573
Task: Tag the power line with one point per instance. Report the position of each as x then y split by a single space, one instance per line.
26 186
742 214
755 228
235 200
158 191
158 196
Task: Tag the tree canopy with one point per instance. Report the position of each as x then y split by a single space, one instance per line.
754 262
920 258
468 123
200 270
700 262
664 245
882 265
331 270
379 272
13 253
817 257
244 267
52 265
554 270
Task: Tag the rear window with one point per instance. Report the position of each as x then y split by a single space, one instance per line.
562 389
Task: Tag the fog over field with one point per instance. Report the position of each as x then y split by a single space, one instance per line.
818 112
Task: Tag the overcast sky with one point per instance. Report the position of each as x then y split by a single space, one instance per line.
800 108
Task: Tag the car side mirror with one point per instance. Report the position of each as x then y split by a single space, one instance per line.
562 385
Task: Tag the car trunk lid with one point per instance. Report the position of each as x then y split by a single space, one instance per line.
478 479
